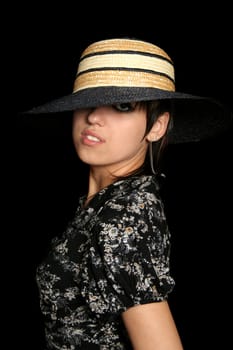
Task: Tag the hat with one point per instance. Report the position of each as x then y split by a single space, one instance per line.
127 70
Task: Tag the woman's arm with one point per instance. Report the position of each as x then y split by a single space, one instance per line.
152 327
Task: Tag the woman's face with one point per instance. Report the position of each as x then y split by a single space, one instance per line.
111 136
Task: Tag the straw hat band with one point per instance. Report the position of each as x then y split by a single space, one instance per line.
132 60
123 78
125 69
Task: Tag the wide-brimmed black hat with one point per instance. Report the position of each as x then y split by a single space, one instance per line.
127 70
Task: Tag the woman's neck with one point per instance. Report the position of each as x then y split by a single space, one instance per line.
97 181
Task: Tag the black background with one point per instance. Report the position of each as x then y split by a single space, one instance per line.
44 45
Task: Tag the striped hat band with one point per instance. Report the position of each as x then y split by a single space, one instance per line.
127 63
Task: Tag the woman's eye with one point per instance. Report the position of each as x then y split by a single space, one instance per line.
124 107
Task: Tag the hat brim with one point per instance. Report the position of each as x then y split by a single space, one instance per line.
195 117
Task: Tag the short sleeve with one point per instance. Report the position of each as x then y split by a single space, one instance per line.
129 256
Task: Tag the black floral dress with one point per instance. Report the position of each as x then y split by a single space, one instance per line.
113 255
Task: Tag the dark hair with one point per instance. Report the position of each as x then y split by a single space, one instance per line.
155 151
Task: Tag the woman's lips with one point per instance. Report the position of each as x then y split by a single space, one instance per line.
91 138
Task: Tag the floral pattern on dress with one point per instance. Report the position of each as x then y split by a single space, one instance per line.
113 255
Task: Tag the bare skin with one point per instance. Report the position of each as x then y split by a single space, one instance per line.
152 327
111 140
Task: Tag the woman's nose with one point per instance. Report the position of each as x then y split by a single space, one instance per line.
96 116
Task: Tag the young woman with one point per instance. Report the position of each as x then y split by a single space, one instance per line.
106 281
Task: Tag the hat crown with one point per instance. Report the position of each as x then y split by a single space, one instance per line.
124 63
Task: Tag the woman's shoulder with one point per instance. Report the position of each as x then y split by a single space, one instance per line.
136 187
133 194
125 194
